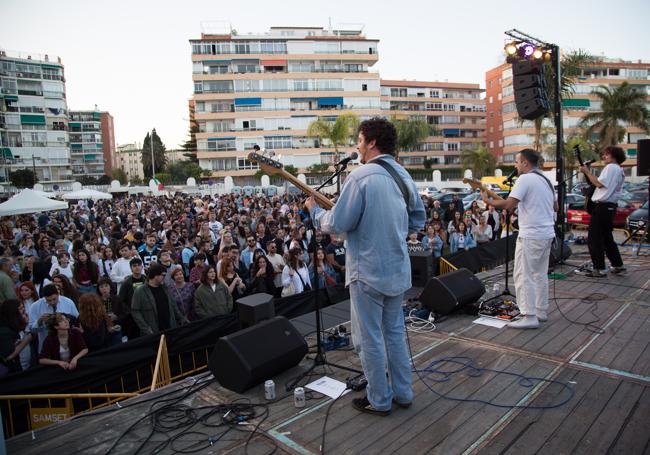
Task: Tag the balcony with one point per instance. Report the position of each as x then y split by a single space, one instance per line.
30 92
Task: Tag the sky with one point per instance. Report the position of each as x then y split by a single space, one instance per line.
132 58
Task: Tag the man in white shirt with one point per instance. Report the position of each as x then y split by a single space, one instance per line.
277 261
609 186
534 197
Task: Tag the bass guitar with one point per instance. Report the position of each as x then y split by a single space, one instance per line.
272 167
478 185
589 191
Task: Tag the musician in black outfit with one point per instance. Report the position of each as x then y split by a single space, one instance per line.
609 186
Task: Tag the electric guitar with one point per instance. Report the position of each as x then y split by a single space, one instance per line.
272 167
589 191
478 185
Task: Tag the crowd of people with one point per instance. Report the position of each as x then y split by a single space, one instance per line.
115 270
100 273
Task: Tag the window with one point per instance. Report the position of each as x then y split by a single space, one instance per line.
490 100
243 163
434 93
491 144
301 84
221 145
452 146
277 142
364 87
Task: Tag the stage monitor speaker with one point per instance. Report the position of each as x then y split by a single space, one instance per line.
643 157
554 257
446 293
255 308
246 358
421 268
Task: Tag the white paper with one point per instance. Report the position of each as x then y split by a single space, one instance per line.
327 386
491 322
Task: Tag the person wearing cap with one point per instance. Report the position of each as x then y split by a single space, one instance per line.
153 308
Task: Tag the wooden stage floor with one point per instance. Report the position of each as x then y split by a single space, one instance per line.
606 364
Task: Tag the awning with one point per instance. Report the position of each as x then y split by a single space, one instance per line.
332 101
11 97
274 62
631 152
90 156
6 153
215 61
575 102
451 132
74 124
99 145
76 146
248 101
27 119
97 115
55 67
221 138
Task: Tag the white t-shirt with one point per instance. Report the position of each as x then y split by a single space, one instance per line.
612 179
535 209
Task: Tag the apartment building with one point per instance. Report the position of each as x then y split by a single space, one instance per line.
494 110
34 119
92 143
606 71
456 112
129 159
266 89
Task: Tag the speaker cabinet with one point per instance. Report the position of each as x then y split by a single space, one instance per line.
421 268
255 308
643 157
446 293
246 358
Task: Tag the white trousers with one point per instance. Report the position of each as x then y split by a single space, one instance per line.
531 274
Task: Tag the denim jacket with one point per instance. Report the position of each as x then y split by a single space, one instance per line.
371 211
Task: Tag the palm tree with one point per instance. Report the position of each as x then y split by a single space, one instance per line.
336 133
410 132
619 104
480 161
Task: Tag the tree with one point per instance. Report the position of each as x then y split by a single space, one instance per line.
337 133
410 132
291 169
570 161
87 180
23 178
189 146
622 104
119 175
158 152
165 178
480 161
318 168
104 180
182 170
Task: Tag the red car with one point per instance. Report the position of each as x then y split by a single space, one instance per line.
576 214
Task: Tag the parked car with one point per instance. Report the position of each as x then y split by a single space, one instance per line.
446 198
635 198
429 191
638 218
578 215
574 199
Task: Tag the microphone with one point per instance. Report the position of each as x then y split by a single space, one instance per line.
512 175
345 161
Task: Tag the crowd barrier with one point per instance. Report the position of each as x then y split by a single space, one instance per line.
483 257
134 367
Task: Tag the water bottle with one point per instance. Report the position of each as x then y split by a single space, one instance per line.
496 289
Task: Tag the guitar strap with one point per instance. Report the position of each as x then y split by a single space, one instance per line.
400 183
550 185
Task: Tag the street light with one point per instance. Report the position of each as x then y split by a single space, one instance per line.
153 164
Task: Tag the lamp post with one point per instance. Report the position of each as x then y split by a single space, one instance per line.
153 164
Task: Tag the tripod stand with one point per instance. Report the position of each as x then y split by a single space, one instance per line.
319 358
506 291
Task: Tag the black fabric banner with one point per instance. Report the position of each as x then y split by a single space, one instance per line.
486 256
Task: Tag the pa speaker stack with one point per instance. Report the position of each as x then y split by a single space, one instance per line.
446 293
246 358
643 157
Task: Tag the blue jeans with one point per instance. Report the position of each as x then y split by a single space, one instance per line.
378 321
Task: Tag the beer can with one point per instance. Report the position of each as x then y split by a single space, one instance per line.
299 397
269 390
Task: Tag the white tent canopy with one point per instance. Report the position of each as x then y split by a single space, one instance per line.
87 194
27 201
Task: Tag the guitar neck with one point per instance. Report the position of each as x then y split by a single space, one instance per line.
477 185
323 201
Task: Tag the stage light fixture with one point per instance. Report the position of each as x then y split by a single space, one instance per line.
547 56
528 50
511 48
538 54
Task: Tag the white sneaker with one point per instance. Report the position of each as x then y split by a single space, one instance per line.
526 322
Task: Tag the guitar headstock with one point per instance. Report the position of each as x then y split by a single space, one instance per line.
576 150
269 166
475 184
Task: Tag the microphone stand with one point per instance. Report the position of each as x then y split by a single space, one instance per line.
506 291
319 359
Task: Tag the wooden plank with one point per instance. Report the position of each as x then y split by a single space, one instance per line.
609 422
633 436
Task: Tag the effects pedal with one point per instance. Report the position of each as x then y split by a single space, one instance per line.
356 383
333 342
